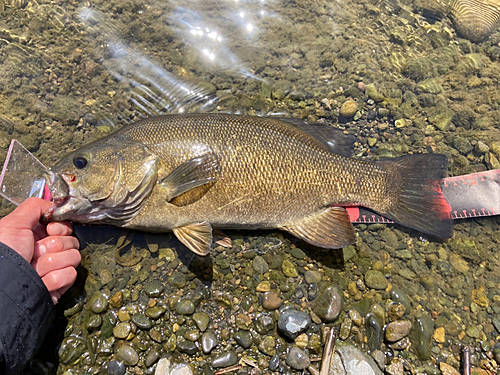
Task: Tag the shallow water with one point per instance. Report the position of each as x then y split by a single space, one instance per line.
72 72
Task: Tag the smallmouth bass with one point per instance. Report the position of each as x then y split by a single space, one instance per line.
193 172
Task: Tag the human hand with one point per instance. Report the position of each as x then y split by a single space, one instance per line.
51 250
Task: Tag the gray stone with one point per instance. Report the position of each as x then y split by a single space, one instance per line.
185 307
312 277
142 321
152 357
188 347
153 289
423 329
208 342
297 359
260 265
243 338
115 368
202 320
328 303
376 280
355 362
181 369
274 363
225 359
397 330
293 322
127 355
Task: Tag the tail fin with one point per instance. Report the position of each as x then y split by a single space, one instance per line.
421 204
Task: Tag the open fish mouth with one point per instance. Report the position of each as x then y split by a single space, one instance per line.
59 191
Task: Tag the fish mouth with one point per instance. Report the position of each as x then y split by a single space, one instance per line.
59 191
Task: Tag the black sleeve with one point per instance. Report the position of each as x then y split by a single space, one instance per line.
26 311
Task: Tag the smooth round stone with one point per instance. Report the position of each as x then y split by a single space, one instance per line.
260 265
208 342
185 307
289 269
225 359
122 330
98 302
115 368
128 355
187 347
264 324
274 363
268 345
312 277
396 311
142 321
297 359
376 280
94 321
243 338
348 108
152 357
423 328
153 289
202 320
271 300
192 335
155 312
293 322
181 369
350 360
328 303
397 330
374 331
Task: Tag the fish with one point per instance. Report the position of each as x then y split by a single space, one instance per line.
195 173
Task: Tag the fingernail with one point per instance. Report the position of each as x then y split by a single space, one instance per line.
60 228
54 299
42 249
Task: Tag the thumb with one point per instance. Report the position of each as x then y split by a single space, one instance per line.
27 214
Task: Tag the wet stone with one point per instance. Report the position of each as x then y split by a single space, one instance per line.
293 322
153 289
397 330
328 303
152 357
243 321
98 302
396 311
264 324
423 329
115 368
122 330
271 300
297 253
94 321
376 280
225 359
208 342
202 320
185 307
128 355
350 360
243 338
155 312
142 322
268 345
260 265
374 331
187 347
181 369
289 269
395 367
274 363
297 359
192 335
312 277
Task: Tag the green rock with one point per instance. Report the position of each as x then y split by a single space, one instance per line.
153 289
268 345
372 141
202 320
312 276
376 280
122 330
372 93
127 355
423 329
328 303
155 312
98 302
297 253
185 307
142 321
289 269
243 338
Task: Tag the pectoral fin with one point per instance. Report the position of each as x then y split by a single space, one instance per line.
220 238
196 237
330 228
193 173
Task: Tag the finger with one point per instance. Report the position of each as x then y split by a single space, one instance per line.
56 261
59 229
54 244
27 214
59 281
39 232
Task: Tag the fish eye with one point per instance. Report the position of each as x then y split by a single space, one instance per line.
80 161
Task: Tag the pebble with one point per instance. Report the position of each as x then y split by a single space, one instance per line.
153 289
395 367
374 331
192 335
181 369
115 368
202 320
274 363
225 359
187 347
439 335
122 330
312 277
268 345
446 369
142 321
98 302
351 361
271 300
297 359
328 303
289 269
260 265
376 280
379 357
423 329
396 311
163 367
128 355
208 342
185 307
155 312
264 286
397 330
293 322
243 338
348 108
152 357
356 317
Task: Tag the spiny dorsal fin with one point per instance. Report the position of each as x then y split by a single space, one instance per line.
330 228
196 237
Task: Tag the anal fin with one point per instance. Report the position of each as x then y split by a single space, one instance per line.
330 228
196 237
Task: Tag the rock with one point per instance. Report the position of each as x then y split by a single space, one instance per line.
192 335
208 342
328 304
376 280
185 307
396 311
264 324
152 357
115 368
155 312
153 289
98 302
122 330
423 328
293 322
271 300
372 93
268 345
163 367
274 363
181 369
142 322
374 331
127 355
397 330
289 269
225 359
349 108
260 265
481 147
312 277
264 286
202 320
352 361
446 369
395 367
379 357
243 338
297 359
188 347
439 335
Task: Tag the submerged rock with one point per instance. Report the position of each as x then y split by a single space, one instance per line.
328 303
353 362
